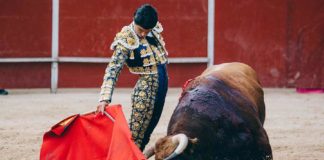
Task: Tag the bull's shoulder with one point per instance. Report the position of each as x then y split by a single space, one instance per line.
241 77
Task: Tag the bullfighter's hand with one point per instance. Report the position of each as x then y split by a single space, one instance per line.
101 107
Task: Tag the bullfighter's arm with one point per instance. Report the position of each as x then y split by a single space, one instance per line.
112 72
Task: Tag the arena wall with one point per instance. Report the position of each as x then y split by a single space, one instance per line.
282 40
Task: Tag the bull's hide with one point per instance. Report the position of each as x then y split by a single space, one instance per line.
224 110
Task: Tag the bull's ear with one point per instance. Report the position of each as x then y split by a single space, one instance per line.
193 140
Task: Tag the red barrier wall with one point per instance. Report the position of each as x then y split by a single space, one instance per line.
25 28
25 31
282 40
305 43
87 29
25 75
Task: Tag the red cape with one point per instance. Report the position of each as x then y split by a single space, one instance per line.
91 137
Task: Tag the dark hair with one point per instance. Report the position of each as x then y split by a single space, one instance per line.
146 16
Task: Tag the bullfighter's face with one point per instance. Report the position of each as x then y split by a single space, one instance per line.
140 31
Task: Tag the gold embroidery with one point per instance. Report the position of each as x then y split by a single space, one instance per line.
146 122
142 94
130 41
132 55
134 134
155 55
152 59
109 82
138 117
141 135
154 68
147 69
143 52
143 41
150 112
138 142
111 64
143 105
146 62
143 83
148 50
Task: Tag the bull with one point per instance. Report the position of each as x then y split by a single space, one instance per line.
219 116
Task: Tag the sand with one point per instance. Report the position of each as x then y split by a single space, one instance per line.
294 122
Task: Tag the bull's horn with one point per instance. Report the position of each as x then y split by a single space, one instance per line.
182 139
149 152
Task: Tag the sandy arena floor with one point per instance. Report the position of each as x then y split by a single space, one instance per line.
294 122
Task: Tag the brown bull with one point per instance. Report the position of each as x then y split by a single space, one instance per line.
219 116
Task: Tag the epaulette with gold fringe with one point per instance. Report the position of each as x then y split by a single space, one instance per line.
127 38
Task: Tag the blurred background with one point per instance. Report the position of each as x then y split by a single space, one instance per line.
65 44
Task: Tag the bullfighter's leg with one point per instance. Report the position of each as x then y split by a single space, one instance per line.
158 104
147 100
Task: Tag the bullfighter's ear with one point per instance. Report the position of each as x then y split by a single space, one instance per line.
193 140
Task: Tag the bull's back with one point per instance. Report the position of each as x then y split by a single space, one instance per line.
242 78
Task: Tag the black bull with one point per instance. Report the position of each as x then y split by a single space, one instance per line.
222 112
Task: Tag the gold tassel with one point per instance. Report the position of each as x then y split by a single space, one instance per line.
132 55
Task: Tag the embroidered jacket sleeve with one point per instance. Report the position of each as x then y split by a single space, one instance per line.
112 72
